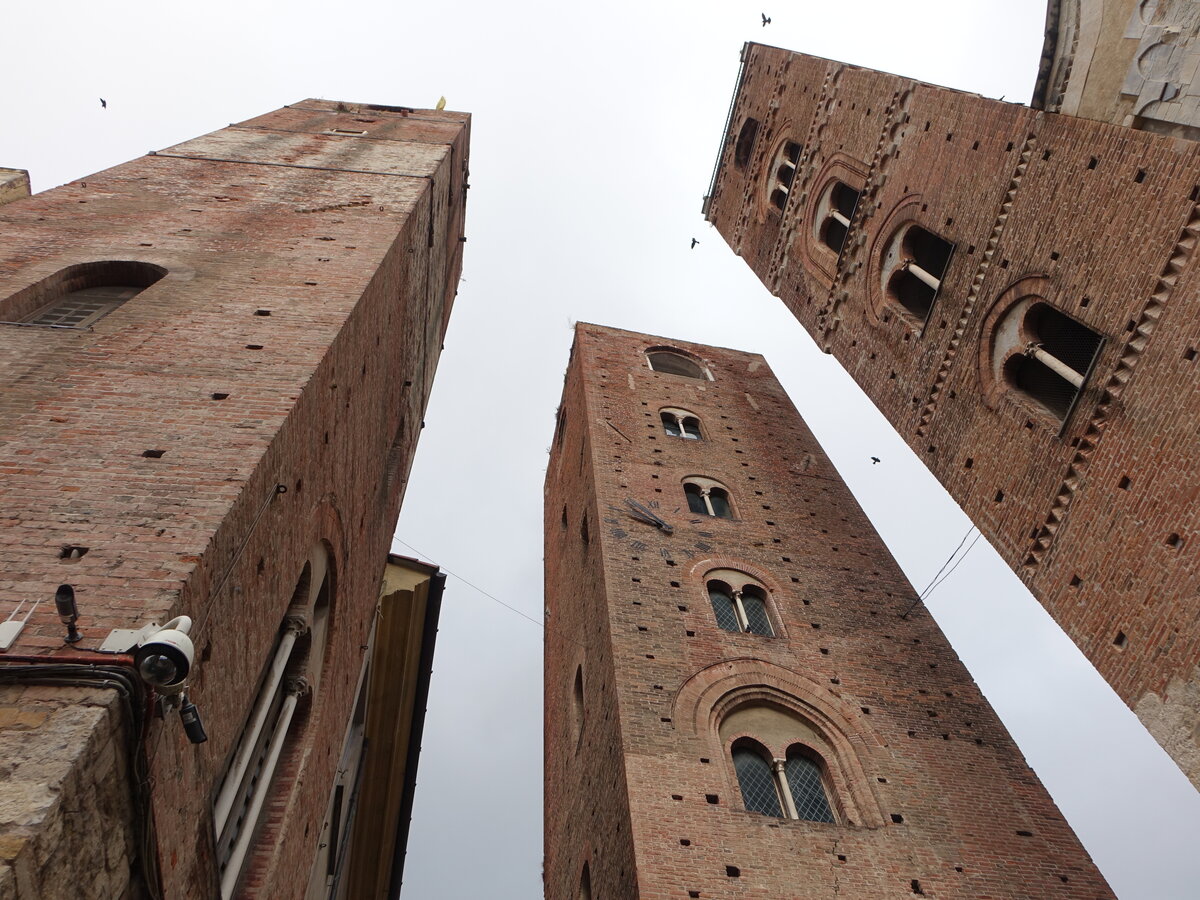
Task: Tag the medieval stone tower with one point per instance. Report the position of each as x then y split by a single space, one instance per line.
216 360
737 704
1015 290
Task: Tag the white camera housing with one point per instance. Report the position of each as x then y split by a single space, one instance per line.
165 658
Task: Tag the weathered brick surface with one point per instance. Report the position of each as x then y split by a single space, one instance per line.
1094 219
292 343
649 799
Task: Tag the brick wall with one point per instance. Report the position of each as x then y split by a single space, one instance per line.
292 343
934 796
1096 515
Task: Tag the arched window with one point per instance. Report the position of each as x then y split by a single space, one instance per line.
81 295
286 688
1044 355
803 775
777 774
745 142
673 363
914 262
680 423
739 608
783 169
752 763
834 213
706 497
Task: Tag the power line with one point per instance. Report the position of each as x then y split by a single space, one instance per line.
934 582
541 625
523 615
956 565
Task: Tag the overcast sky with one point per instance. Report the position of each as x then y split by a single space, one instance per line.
594 135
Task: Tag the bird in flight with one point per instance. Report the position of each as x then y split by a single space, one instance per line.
103 103
694 243
766 20
874 460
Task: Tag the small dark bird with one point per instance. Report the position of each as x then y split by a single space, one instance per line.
874 460
103 103
766 20
694 243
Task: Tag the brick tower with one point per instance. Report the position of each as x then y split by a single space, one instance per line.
736 703
1013 289
216 360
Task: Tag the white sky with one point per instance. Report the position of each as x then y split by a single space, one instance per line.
595 132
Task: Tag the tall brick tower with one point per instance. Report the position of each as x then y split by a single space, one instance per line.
1013 289
737 704
215 363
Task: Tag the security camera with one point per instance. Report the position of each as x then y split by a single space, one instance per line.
165 658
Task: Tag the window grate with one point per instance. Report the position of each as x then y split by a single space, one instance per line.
756 614
79 309
723 609
757 784
808 792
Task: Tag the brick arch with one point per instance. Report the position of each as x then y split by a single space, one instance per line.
712 693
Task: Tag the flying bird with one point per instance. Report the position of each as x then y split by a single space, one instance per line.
766 20
874 460
694 243
103 103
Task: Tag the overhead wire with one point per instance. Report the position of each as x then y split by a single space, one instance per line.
938 578
490 596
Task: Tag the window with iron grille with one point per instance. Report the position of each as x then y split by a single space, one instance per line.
80 295
791 788
742 609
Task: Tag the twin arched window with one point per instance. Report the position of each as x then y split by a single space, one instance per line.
787 159
792 787
1044 354
680 423
742 609
834 215
287 686
706 497
913 265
